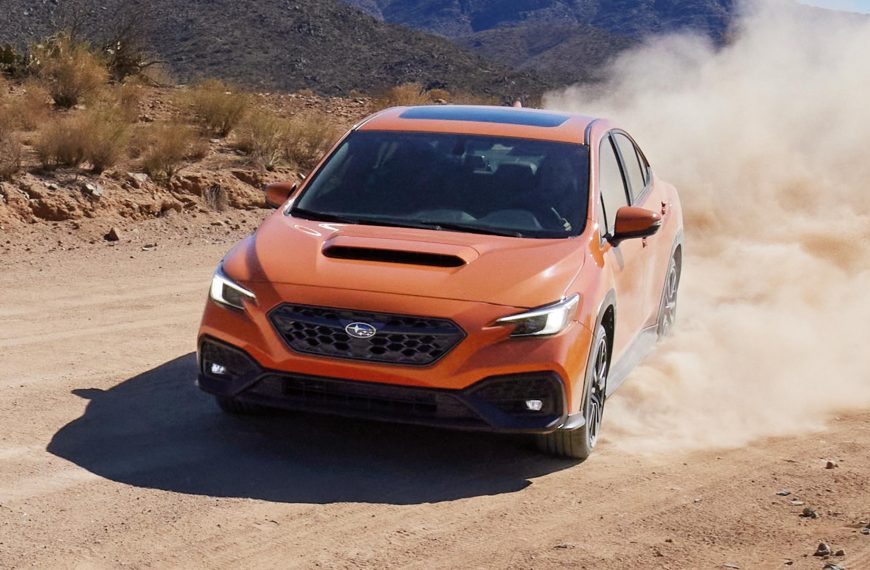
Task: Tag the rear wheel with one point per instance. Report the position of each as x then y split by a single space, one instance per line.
237 407
579 443
668 308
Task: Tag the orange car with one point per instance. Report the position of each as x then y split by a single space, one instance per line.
480 268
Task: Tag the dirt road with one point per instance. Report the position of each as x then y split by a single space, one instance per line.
110 457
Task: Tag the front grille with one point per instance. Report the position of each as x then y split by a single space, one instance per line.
365 399
399 339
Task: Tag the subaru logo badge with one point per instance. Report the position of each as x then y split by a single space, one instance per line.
360 330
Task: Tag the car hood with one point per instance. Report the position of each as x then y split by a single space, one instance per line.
451 265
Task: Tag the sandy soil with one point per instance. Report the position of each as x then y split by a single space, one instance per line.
110 457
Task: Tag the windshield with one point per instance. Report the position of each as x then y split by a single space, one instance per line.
455 182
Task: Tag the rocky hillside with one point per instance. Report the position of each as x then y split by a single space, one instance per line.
324 45
564 40
456 18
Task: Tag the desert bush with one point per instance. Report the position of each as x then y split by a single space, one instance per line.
309 136
128 96
98 136
468 98
10 147
105 134
60 144
6 119
70 71
31 107
438 95
403 95
167 148
10 156
12 62
263 136
215 197
218 106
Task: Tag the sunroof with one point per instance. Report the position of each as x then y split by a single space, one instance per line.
509 116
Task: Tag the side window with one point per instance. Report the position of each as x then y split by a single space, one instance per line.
633 168
610 183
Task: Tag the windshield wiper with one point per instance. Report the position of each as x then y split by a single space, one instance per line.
390 222
322 216
474 229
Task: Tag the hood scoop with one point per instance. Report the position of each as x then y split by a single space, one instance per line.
401 252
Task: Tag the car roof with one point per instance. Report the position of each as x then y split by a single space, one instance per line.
482 120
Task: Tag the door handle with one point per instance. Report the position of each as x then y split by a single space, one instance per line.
644 242
664 207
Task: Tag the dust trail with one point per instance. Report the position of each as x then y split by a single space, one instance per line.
768 140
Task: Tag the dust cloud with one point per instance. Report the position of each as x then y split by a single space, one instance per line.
768 141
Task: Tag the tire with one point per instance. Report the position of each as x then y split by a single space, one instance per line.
237 407
668 306
579 443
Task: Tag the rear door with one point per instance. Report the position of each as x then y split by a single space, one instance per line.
628 260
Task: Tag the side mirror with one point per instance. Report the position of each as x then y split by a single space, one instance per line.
279 192
635 223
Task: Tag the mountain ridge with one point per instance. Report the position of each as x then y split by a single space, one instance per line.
323 45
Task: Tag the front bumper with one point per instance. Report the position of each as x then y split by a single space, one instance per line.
496 403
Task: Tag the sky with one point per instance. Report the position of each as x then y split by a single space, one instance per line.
862 6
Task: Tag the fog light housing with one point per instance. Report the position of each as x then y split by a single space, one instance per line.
224 362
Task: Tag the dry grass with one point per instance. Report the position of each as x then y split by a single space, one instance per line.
216 198
32 106
404 95
69 70
98 137
411 94
466 98
10 147
269 139
218 106
59 144
127 97
263 137
10 156
310 134
169 146
106 135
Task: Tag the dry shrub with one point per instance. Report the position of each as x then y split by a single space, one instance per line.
60 144
168 147
404 95
10 147
105 134
468 98
7 122
70 71
263 136
127 97
10 156
98 136
215 197
218 106
309 135
438 95
32 107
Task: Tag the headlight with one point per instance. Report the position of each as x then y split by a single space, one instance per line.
547 320
226 292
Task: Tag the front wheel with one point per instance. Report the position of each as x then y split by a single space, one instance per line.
579 443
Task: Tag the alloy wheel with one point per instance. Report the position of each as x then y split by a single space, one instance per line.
597 391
